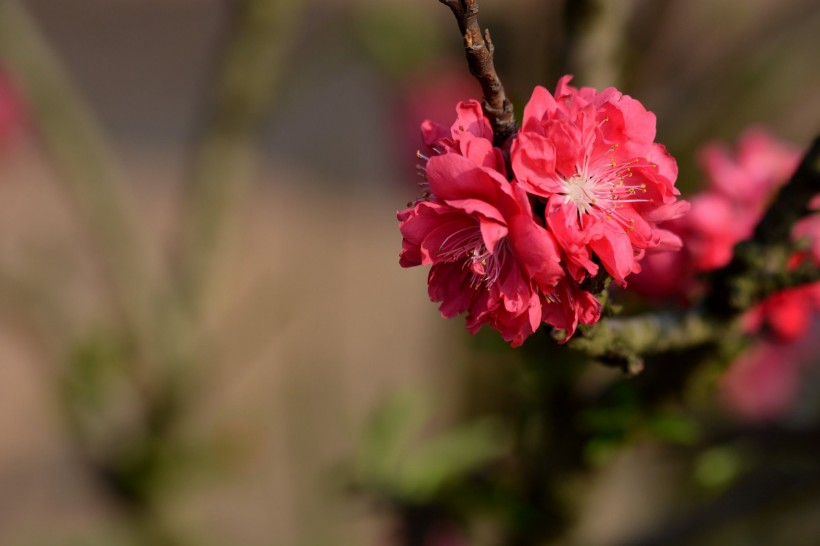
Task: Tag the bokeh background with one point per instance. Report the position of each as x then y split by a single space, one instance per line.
302 324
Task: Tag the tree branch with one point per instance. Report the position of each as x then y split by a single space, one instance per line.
479 49
623 341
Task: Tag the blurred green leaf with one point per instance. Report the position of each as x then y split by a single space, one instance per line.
447 457
396 461
390 434
674 428
94 364
718 467
600 451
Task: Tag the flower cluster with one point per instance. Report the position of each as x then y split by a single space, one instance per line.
587 189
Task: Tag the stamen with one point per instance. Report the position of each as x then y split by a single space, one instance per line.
599 190
467 244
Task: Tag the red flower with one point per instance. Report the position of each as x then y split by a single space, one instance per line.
592 157
489 257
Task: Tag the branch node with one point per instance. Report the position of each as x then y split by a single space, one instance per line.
489 42
468 40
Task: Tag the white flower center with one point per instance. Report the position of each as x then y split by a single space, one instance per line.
580 189
600 188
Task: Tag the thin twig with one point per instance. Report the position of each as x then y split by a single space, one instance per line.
479 49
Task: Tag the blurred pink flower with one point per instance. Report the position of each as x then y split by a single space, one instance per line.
750 174
606 183
762 383
12 116
665 275
741 185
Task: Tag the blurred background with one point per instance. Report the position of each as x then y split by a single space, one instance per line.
201 307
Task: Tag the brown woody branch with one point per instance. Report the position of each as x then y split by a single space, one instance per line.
479 49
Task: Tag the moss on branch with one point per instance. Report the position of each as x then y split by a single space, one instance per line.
623 341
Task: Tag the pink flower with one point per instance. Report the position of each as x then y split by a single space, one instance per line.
489 257
470 136
665 275
592 157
